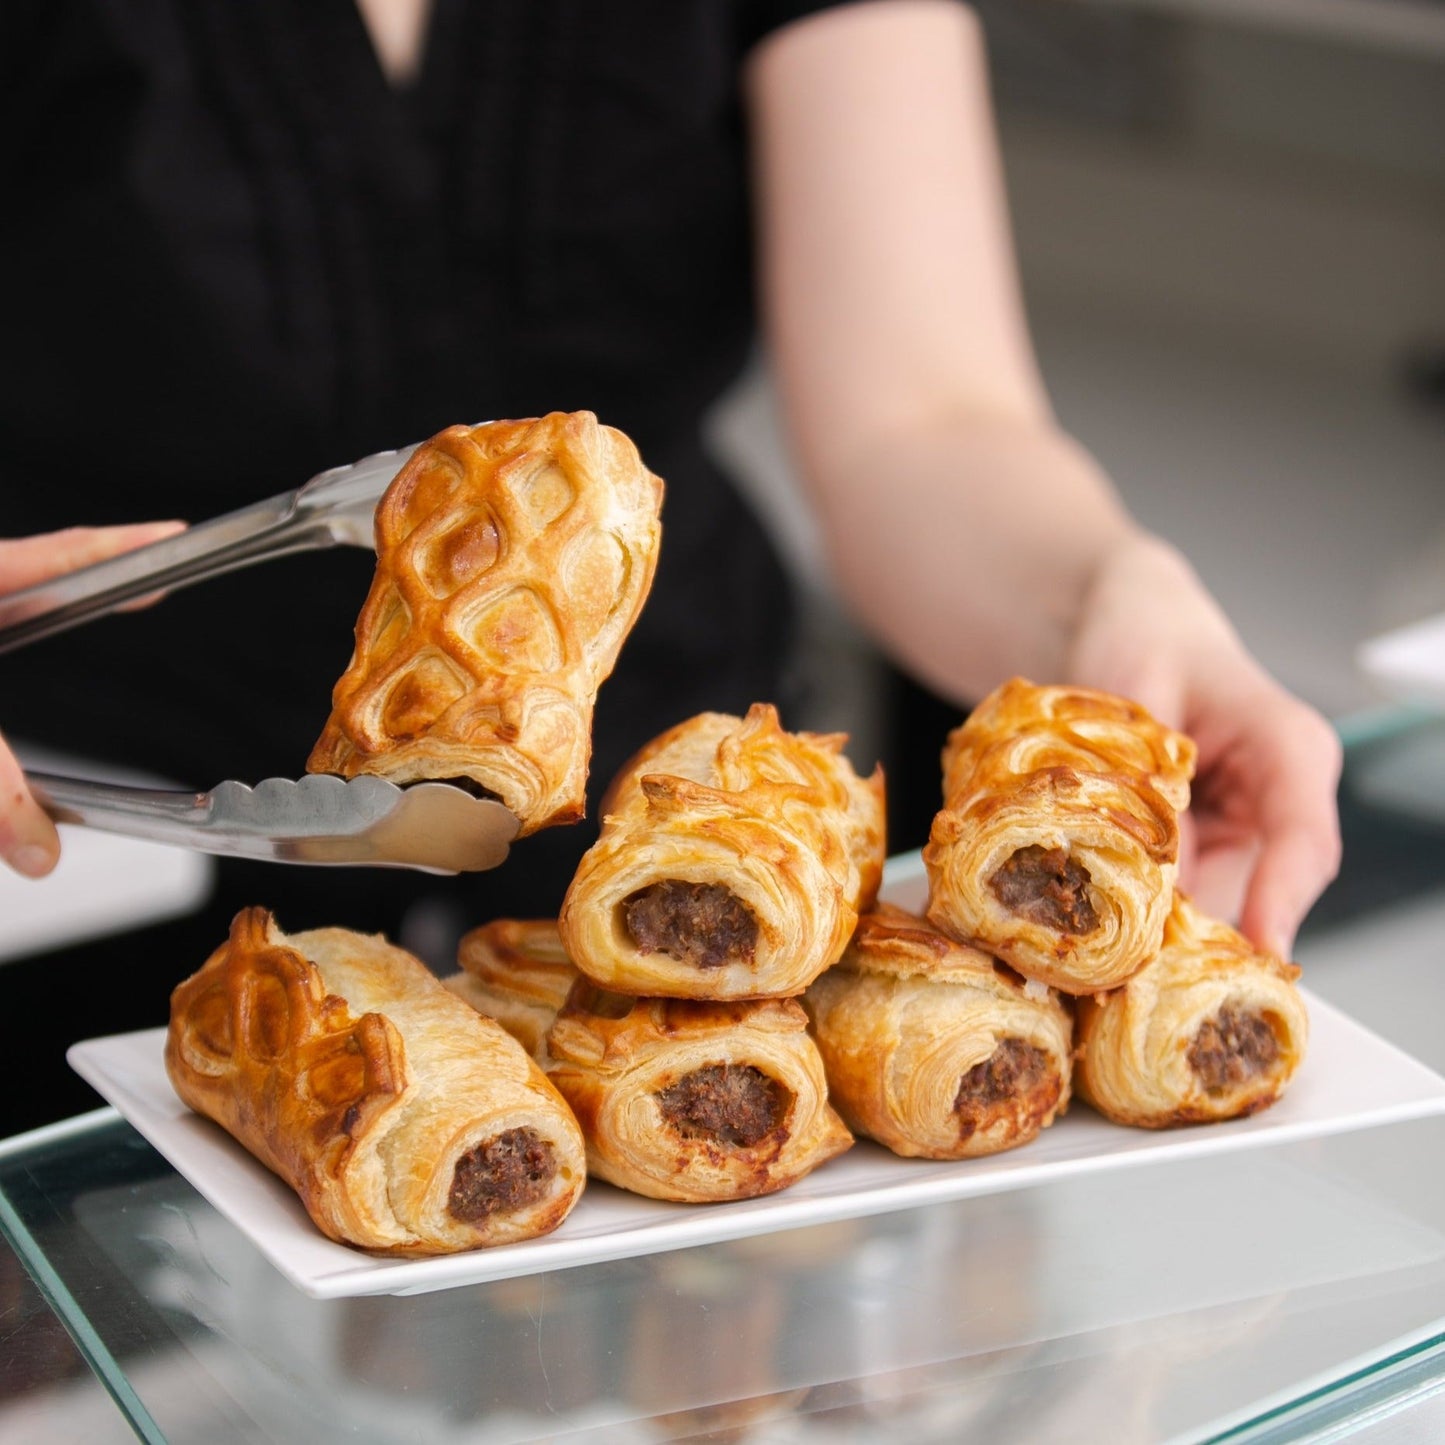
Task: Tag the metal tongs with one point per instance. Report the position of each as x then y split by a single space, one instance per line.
433 826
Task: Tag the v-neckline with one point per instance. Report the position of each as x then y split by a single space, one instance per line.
400 99
401 89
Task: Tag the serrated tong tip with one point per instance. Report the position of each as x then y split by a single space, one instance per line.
319 818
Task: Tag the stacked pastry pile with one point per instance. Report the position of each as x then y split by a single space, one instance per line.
721 980
720 1000
732 864
1057 851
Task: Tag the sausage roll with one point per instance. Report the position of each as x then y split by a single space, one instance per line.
733 861
932 1048
1209 1029
1058 843
693 1101
517 972
405 1121
511 562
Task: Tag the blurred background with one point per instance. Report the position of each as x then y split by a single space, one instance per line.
1230 216
1230 220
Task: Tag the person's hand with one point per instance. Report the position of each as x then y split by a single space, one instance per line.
1261 838
966 532
28 840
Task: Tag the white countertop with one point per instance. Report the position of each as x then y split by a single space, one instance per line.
103 884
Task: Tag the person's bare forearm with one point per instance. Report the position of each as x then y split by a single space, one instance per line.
971 537
917 414
999 522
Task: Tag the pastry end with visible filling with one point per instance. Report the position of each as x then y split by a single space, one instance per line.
1232 1048
702 924
1046 886
1016 1080
509 1172
734 1104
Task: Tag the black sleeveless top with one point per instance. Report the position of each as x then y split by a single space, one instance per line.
233 255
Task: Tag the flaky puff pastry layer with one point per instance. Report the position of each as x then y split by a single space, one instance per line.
405 1121
1057 846
932 1049
1209 1029
517 972
693 1101
772 831
511 561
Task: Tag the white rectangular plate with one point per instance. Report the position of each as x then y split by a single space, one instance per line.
1352 1079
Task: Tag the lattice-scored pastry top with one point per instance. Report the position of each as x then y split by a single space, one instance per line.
512 560
258 1040
406 1121
1022 729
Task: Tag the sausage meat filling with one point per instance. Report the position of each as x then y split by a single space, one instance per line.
1232 1048
703 924
735 1104
505 1173
1016 1079
1045 885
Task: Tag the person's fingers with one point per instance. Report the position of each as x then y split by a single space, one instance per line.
1159 690
1294 869
1188 850
26 561
1155 683
28 840
1220 878
1299 839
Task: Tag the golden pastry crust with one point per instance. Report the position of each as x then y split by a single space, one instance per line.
932 1049
407 1123
511 561
1209 1029
733 861
1057 846
517 972
693 1101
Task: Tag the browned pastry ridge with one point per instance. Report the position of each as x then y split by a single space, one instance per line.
517 972
407 1123
512 560
1208 1029
932 1048
697 1102
1057 846
733 861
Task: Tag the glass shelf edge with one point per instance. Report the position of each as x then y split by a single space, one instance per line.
61 1129
1364 1396
53 1290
